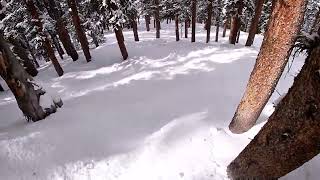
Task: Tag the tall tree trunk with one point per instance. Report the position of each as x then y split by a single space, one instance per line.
236 22
46 43
120 39
186 28
24 38
291 136
177 27
208 24
80 32
147 18
194 19
55 12
225 26
21 85
255 22
218 20
135 29
275 50
157 18
57 45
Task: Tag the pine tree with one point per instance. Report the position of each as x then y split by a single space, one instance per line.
273 57
193 19
255 22
79 30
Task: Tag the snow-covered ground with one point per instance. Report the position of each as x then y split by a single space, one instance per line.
161 115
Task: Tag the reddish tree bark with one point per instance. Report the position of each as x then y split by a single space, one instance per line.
291 136
284 25
120 39
46 43
255 22
80 33
236 22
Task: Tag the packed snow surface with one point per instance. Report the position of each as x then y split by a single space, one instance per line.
160 115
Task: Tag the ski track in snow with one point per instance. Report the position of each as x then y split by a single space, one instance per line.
161 115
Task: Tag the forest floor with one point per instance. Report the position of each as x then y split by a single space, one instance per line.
163 114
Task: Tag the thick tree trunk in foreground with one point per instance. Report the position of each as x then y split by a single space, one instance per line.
177 27
120 39
236 22
271 61
147 18
255 22
186 28
135 29
80 33
193 19
157 18
208 24
46 43
20 84
291 137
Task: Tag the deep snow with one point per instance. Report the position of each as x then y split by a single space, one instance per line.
163 114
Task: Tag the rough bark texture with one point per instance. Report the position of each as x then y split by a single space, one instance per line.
316 23
120 39
147 18
157 18
56 13
208 24
255 22
20 84
186 28
177 27
80 33
135 28
46 43
291 137
193 19
236 22
273 57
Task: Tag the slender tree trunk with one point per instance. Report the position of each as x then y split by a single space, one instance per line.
218 20
80 32
208 24
225 26
177 27
157 18
122 46
186 28
55 12
238 36
271 61
46 43
291 136
20 84
194 19
236 23
35 62
255 22
57 45
147 18
135 29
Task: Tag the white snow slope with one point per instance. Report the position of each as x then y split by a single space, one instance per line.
161 115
